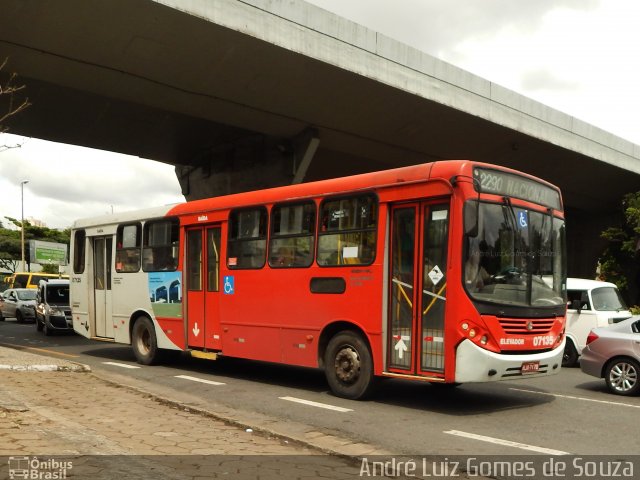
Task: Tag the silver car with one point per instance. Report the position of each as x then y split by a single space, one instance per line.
19 303
613 353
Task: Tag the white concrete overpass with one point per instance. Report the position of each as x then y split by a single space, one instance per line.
240 94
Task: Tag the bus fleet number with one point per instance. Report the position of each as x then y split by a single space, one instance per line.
543 340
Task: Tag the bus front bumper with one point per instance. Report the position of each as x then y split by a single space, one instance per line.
474 364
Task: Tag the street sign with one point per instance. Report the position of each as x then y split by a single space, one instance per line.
48 252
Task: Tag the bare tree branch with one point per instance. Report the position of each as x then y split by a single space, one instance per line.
12 101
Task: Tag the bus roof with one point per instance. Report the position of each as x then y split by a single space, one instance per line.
334 186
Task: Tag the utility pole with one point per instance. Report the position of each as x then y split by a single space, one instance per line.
22 184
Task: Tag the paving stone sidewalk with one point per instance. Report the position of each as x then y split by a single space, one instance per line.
55 414
68 416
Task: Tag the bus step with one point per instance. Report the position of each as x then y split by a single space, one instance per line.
204 355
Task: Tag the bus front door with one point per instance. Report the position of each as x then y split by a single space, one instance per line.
418 269
203 287
102 301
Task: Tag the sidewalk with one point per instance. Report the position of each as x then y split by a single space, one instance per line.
53 407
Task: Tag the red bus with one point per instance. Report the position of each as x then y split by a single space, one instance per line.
447 272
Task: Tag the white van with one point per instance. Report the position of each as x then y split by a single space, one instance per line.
591 304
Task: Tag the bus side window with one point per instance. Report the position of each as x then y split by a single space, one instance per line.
78 251
292 235
347 233
161 245
247 244
128 248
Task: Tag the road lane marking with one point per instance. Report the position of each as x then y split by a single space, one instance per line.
201 380
316 404
123 365
53 352
507 443
571 397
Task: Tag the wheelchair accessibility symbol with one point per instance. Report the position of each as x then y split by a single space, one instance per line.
229 285
523 219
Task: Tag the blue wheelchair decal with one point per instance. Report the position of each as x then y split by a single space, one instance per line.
523 219
228 287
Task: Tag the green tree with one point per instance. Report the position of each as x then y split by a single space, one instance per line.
620 261
10 242
49 268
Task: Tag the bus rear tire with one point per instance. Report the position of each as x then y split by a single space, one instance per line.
348 366
144 341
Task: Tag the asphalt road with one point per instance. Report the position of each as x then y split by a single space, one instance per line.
566 413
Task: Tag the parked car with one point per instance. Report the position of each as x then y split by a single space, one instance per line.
592 304
30 279
18 303
613 353
53 312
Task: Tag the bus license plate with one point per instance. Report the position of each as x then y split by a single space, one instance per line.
530 367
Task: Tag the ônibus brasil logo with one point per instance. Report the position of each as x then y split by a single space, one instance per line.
34 468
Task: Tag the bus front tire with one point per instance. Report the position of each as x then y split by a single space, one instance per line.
348 366
144 341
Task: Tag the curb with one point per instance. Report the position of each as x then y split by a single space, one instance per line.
76 367
316 440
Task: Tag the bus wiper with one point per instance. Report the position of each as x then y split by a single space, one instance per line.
549 214
512 217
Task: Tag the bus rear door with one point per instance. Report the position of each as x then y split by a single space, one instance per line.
102 261
202 267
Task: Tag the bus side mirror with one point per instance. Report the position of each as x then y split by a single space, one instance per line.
576 305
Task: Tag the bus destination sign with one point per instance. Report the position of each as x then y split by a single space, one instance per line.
510 185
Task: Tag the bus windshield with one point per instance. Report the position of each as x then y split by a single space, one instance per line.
514 256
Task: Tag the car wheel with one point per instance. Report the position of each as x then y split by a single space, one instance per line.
38 324
348 366
144 342
570 356
19 317
621 376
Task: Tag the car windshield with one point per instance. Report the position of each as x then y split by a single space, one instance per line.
26 294
515 256
607 298
58 295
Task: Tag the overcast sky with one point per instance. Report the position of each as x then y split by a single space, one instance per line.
577 56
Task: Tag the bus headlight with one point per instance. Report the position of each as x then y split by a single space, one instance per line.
484 340
465 326
472 333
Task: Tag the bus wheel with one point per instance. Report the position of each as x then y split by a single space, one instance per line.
348 366
144 342
570 355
